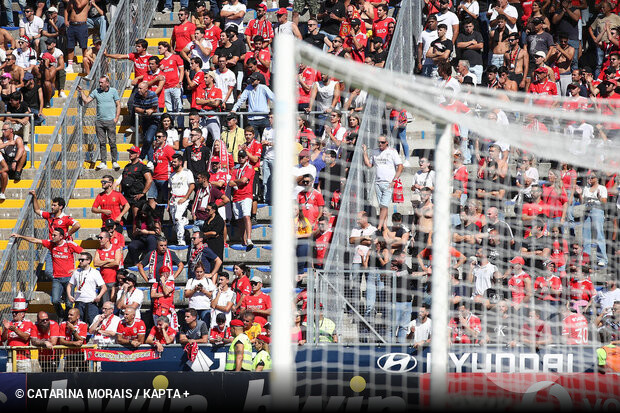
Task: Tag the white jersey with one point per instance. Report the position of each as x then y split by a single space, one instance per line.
324 95
483 277
108 324
136 296
386 162
226 297
195 51
362 250
422 331
180 181
426 38
223 81
236 8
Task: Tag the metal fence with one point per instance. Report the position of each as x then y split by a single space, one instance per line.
73 138
58 359
358 194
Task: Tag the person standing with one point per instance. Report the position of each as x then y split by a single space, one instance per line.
75 16
62 252
182 33
108 259
242 183
146 103
201 253
258 97
162 297
206 193
109 203
262 360
594 197
199 291
214 229
181 187
136 181
239 356
108 113
158 258
258 302
171 66
388 166
86 281
223 300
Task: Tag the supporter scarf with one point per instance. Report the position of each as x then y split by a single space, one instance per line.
224 156
202 198
192 351
196 256
153 262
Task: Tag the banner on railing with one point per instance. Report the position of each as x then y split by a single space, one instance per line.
120 356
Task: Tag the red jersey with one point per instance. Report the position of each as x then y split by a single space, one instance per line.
261 301
160 96
161 160
199 91
380 27
53 331
308 76
182 35
321 246
264 70
357 54
220 176
575 327
582 290
544 286
169 67
559 252
310 204
61 221
117 240
107 273
62 256
114 201
517 287
163 305
543 88
259 27
67 333
216 333
306 137
243 191
213 34
554 201
131 331
25 326
462 175
159 337
213 93
255 148
459 334
241 286
140 63
578 103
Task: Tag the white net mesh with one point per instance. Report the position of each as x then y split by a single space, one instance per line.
532 231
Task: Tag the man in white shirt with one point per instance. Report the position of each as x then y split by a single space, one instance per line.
426 64
482 273
199 47
104 326
223 299
448 18
420 329
508 11
389 166
86 280
31 26
304 168
129 296
233 13
225 80
181 187
361 238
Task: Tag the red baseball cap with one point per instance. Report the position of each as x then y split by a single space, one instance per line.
215 159
517 260
264 338
282 11
134 149
262 6
164 269
236 323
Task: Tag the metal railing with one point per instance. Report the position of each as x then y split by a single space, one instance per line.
72 139
58 359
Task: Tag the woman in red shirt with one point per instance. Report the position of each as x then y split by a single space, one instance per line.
555 198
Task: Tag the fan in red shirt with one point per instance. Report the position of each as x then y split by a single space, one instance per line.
17 333
322 239
261 53
355 42
465 327
183 32
306 78
73 332
242 183
549 286
543 86
259 26
520 284
305 135
380 25
311 202
56 218
241 284
220 334
196 84
45 335
109 203
130 331
140 58
156 80
171 66
258 302
212 31
162 156
345 25
162 296
210 99
161 334
574 327
581 287
559 249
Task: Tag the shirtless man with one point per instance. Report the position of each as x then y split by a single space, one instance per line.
76 13
499 41
6 39
17 73
504 82
517 61
91 54
561 55
425 216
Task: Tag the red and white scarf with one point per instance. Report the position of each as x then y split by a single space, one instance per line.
153 262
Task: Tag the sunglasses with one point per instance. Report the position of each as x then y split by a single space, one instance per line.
253 282
45 320
82 259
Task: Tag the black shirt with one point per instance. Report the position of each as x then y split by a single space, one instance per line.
329 25
317 40
134 179
196 159
229 53
442 45
329 179
31 97
473 56
215 244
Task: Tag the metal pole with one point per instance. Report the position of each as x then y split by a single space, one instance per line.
32 139
441 269
283 257
137 128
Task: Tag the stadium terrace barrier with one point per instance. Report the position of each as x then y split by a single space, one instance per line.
59 359
73 137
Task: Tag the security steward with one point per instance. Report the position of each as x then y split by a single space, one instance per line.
239 356
262 360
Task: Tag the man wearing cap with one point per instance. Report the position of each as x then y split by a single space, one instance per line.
262 360
108 113
258 302
136 180
355 42
63 264
448 18
242 184
284 26
108 259
54 28
259 26
210 100
25 56
86 281
427 37
258 97
233 136
109 203
181 187
54 75
520 285
17 333
131 330
129 297
239 356
31 26
538 40
543 86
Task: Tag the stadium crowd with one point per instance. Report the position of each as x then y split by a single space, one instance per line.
205 175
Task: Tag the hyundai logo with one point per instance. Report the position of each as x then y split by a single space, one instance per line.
397 362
